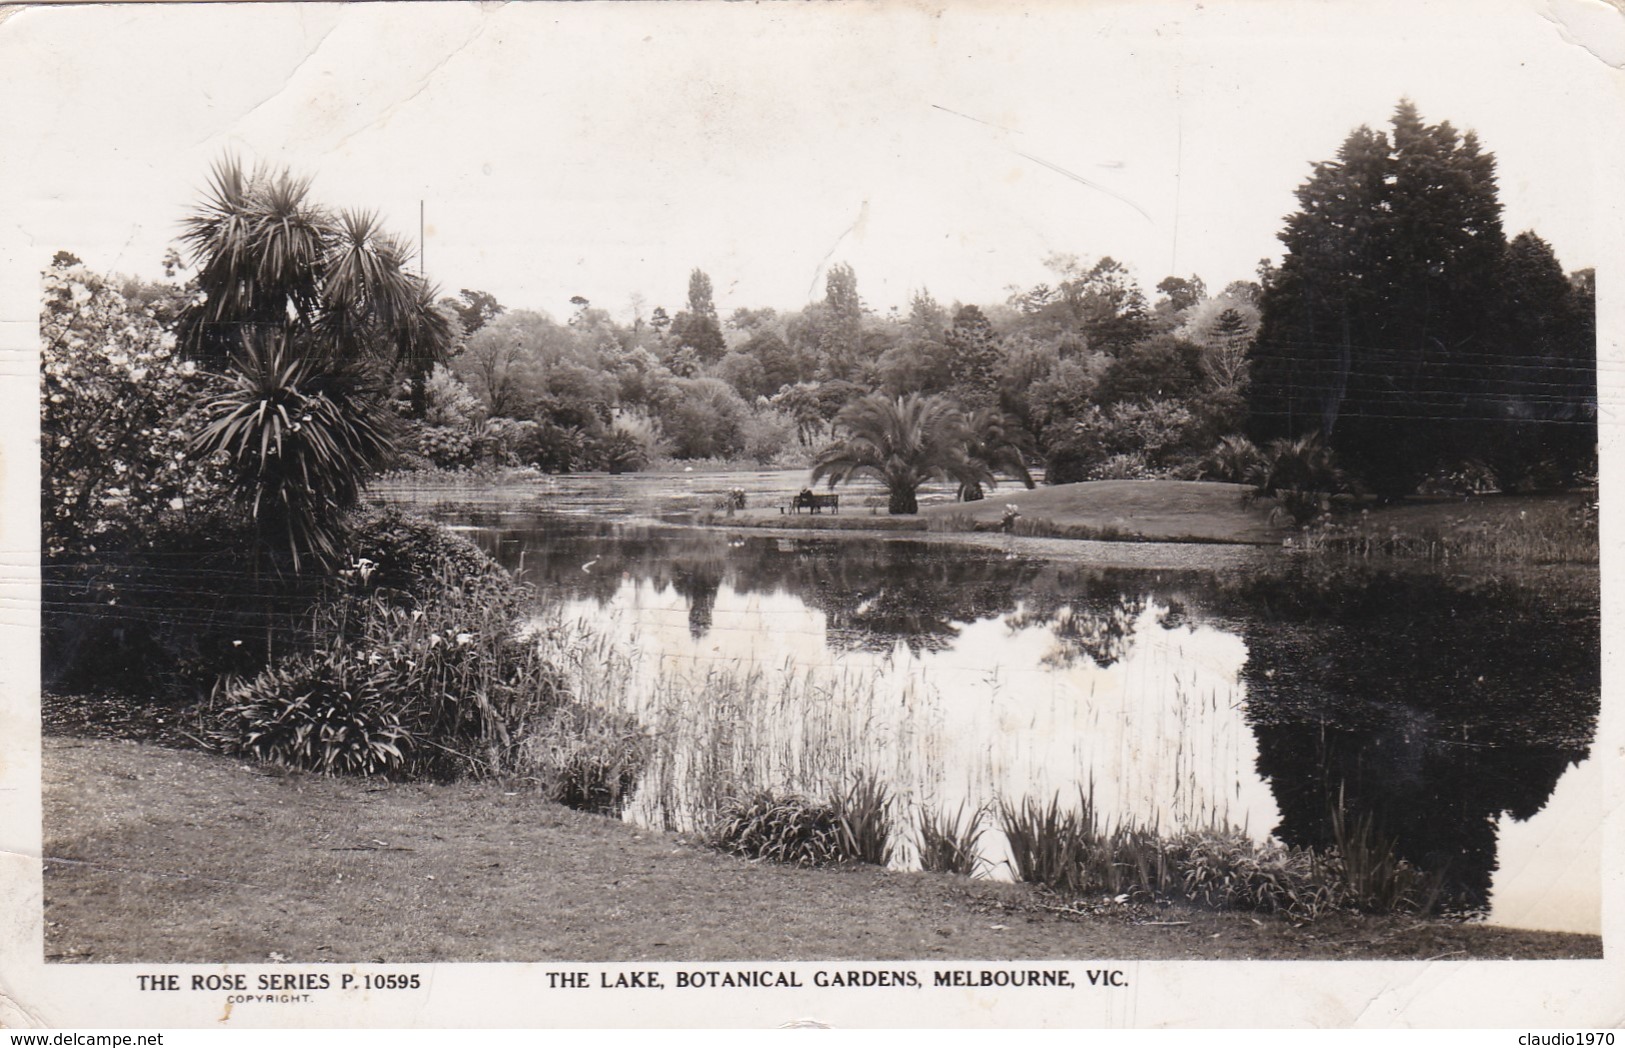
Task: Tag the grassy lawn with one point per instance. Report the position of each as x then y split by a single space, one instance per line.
1151 510
157 854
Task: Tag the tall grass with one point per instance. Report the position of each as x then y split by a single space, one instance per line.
1373 878
1029 527
1552 531
1074 852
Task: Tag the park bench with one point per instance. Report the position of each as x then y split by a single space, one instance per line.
815 502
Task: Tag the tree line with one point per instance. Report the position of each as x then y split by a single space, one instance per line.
1402 339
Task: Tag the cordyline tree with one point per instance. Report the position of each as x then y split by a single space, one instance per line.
1393 328
306 313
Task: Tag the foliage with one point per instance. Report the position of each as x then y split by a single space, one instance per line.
973 354
950 843
994 444
325 712
696 328
1301 475
1371 876
301 433
766 434
273 263
854 826
635 440
1225 870
411 556
703 418
450 670
902 443
449 402
865 816
117 410
1162 368
1047 845
586 758
781 827
1075 852
1157 432
446 447
1235 460
1402 324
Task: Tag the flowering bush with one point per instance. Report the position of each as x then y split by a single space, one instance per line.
448 679
117 414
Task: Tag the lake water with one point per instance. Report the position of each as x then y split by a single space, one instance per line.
1458 712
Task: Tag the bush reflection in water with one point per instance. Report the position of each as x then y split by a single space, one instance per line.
1430 706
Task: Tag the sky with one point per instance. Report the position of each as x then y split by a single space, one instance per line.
607 150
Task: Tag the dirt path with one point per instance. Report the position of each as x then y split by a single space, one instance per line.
163 855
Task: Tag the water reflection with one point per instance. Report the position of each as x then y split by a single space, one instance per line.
1447 710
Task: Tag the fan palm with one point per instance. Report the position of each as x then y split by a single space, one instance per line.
903 443
991 441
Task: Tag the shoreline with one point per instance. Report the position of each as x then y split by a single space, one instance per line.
549 883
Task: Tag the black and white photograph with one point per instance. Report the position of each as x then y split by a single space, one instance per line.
863 514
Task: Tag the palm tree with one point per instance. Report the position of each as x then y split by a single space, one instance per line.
301 433
903 443
272 261
991 441
304 312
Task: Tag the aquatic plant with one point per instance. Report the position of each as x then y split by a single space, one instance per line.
865 813
586 758
781 827
950 843
1048 846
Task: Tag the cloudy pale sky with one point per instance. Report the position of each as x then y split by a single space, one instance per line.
602 150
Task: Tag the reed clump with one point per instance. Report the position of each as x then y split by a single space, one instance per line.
951 843
853 825
1073 851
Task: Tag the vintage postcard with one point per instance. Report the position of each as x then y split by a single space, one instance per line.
869 514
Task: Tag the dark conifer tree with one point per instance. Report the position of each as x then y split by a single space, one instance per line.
1391 324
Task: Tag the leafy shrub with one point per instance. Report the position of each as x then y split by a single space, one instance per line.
1073 852
1471 477
447 447
451 668
1156 431
326 712
950 843
411 555
500 441
587 758
1226 870
557 449
854 826
781 827
1234 460
1301 475
1127 465
766 434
